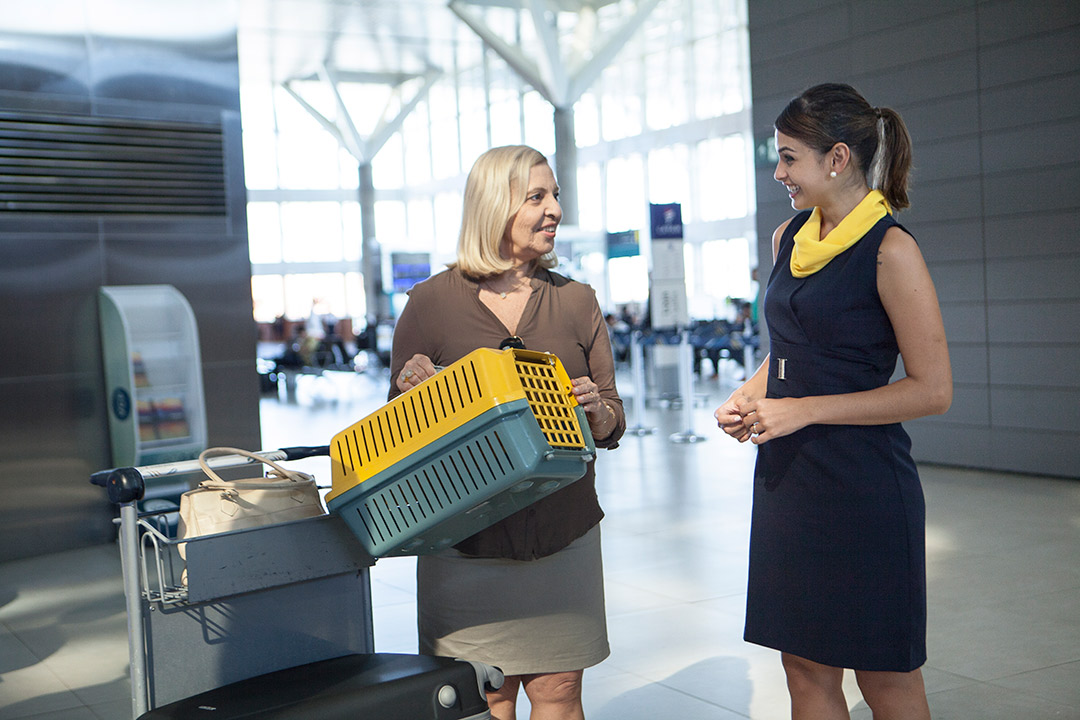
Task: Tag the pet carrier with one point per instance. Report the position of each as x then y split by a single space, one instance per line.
483 438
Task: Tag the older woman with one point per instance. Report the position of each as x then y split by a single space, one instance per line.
525 594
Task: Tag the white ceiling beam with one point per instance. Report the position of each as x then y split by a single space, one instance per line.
524 67
549 39
584 79
561 88
329 125
346 127
383 132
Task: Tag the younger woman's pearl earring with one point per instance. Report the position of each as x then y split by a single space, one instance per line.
832 174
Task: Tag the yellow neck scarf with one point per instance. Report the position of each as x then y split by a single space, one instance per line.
813 252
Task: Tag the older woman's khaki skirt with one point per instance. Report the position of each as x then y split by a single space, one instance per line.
540 616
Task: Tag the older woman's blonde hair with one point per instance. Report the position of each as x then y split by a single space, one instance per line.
494 192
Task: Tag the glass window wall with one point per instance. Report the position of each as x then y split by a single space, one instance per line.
667 121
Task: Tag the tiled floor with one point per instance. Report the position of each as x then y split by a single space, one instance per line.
1004 574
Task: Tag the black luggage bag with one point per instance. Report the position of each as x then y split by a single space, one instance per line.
380 686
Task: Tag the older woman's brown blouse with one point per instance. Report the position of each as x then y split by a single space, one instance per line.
445 320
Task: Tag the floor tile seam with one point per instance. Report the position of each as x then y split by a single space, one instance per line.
42 665
1000 604
741 556
995 680
1063 663
699 698
699 605
102 699
719 595
1007 690
75 703
639 579
410 590
661 683
740 594
15 635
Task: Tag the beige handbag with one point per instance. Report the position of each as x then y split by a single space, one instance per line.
218 505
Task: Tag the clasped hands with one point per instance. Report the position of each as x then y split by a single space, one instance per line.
758 420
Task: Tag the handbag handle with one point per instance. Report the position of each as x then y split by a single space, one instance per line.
215 481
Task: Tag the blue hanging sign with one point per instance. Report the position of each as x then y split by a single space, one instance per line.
666 220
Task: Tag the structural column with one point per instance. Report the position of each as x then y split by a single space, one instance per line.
566 163
378 305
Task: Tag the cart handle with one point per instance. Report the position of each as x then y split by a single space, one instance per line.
127 484
122 485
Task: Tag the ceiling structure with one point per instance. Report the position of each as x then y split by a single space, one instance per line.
369 37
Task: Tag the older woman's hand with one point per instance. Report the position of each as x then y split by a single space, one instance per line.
599 414
416 370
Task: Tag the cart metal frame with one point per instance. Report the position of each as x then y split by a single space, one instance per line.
251 601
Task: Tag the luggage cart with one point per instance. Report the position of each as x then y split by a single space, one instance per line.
272 621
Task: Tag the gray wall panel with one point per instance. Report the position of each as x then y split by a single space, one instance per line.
1031 57
232 403
201 72
50 279
991 92
1053 453
911 85
964 322
1034 408
971 407
1031 102
970 363
45 65
1053 278
1029 191
948 445
768 12
53 426
1022 364
945 200
904 45
1031 146
1034 322
947 117
959 281
946 160
52 436
791 75
808 32
1031 235
871 16
1002 21
947 240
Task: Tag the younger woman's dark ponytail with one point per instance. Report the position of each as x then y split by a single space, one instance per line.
896 163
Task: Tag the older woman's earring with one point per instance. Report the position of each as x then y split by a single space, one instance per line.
832 174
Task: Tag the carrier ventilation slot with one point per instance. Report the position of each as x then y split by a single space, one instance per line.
550 405
450 481
72 164
438 400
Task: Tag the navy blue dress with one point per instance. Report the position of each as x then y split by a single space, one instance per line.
837 541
